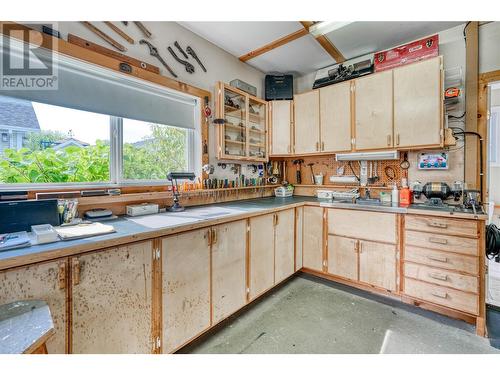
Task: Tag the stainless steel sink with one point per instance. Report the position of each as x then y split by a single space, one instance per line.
368 201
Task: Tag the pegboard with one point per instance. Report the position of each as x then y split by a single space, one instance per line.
327 165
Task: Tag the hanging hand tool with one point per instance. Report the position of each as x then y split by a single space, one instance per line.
298 176
191 52
189 67
178 46
104 36
153 51
145 31
120 32
73 39
310 165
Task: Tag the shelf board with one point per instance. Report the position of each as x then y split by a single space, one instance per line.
235 127
234 142
259 145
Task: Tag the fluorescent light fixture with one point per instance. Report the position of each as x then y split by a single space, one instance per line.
325 27
383 155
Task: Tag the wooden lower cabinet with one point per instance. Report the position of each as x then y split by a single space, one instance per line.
186 287
378 264
43 281
228 269
299 220
284 245
312 241
111 303
343 257
261 254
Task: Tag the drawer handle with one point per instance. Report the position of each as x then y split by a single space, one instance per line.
435 224
438 276
440 294
437 259
442 241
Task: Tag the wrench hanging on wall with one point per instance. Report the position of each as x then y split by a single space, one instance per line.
189 67
153 51
191 52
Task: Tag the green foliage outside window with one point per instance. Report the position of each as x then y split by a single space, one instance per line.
150 159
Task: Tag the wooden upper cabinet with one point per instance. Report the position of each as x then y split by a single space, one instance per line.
43 281
186 287
284 245
112 300
243 136
377 264
306 124
335 115
418 104
229 281
261 255
373 112
280 127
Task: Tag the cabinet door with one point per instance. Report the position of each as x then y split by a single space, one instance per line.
312 248
229 281
112 300
373 111
299 214
233 134
377 264
40 281
418 104
281 123
306 124
186 287
257 129
261 254
284 248
335 110
343 257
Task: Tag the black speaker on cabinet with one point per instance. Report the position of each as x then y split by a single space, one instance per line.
279 87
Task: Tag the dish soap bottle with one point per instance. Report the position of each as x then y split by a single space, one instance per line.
395 195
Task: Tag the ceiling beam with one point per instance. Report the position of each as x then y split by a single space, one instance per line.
327 45
275 44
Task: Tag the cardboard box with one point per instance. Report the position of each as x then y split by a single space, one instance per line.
408 53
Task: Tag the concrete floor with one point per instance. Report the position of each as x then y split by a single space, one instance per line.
309 315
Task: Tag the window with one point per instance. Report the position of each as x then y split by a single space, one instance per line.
494 136
47 144
150 150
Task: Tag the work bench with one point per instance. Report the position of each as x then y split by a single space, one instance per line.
156 284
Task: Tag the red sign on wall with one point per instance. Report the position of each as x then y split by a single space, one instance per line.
408 53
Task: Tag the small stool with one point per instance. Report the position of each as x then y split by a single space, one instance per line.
25 327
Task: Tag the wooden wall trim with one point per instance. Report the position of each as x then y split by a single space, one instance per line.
471 105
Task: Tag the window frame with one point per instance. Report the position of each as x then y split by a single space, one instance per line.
116 179
496 111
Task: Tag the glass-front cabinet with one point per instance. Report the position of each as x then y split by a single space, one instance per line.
243 133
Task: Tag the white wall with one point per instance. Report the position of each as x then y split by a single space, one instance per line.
220 65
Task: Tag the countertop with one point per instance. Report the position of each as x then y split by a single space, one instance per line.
151 226
24 325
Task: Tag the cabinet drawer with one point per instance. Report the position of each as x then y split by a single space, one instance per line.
442 225
454 244
442 296
442 260
372 226
441 277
